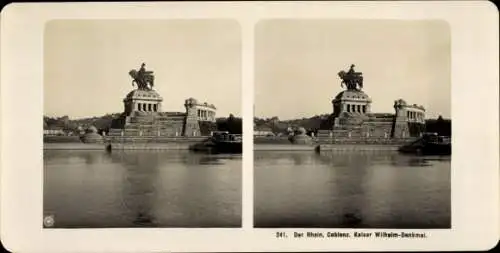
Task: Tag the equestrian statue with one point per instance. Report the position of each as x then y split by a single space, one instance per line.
352 80
144 79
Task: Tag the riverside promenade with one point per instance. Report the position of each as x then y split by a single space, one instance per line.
330 144
283 147
143 143
73 146
324 147
183 143
116 146
150 146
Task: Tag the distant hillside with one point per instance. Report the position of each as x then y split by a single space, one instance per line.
313 124
102 123
232 124
280 126
67 124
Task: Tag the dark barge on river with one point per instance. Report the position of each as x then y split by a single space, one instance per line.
429 144
220 142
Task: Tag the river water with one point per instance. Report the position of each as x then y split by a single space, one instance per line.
351 190
96 189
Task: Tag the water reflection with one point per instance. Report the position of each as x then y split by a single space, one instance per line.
351 189
142 189
76 156
139 189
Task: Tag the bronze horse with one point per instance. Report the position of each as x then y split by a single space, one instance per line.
351 80
142 82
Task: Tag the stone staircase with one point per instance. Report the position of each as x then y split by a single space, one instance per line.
150 126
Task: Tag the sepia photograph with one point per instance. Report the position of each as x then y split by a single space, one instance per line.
142 124
298 126
352 125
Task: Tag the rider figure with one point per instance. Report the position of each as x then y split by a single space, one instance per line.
141 75
351 70
354 78
142 70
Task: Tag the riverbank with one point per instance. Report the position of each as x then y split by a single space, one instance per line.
73 146
116 146
324 147
357 147
173 143
126 143
283 147
185 146
151 146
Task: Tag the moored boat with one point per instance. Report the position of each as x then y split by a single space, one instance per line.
429 144
220 142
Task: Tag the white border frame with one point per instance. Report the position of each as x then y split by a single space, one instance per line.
474 31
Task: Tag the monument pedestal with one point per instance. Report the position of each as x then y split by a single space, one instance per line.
353 121
142 102
143 118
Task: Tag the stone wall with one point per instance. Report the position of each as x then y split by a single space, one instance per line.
416 129
148 126
373 129
152 139
400 128
161 124
206 127
62 139
324 149
324 138
364 141
365 130
191 125
271 140
378 129
150 146
348 125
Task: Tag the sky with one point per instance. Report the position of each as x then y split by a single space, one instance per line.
297 61
86 64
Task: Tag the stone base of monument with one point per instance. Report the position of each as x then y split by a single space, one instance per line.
159 126
148 125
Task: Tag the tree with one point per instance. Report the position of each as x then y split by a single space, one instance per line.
231 124
440 126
